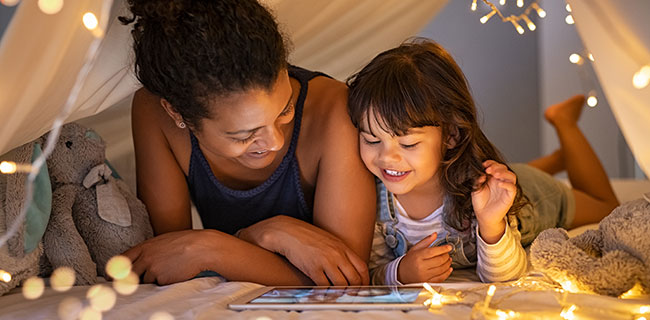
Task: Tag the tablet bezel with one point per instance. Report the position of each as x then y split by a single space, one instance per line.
243 302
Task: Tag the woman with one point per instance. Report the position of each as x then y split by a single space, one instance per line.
262 148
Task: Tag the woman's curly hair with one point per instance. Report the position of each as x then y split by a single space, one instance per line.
419 84
192 51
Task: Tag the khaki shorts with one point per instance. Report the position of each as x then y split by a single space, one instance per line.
553 203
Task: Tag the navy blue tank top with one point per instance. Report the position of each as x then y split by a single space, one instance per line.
230 210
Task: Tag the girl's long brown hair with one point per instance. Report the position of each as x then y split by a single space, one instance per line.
419 84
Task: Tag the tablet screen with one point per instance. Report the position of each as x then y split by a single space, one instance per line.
329 295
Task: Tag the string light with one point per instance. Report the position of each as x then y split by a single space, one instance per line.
567 313
50 6
512 18
569 19
9 3
592 101
487 17
502 2
591 57
118 267
90 21
473 6
529 23
62 279
568 7
575 59
641 78
10 167
101 298
5 276
69 308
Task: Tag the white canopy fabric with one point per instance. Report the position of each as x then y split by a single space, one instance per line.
40 56
617 33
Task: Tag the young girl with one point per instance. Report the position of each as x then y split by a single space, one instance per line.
446 200
262 148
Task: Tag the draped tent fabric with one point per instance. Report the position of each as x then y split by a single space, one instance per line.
617 33
40 56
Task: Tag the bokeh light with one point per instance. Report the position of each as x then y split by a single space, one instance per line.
62 279
118 267
88 313
5 276
102 298
50 6
33 288
9 3
127 285
90 21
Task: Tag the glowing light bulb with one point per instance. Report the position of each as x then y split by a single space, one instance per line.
487 17
9 3
569 19
502 2
8 167
90 21
540 12
644 309
127 285
568 313
490 294
118 267
529 23
473 7
88 313
101 298
33 288
641 78
568 7
62 279
575 58
568 285
519 28
520 3
592 101
50 6
5 276
591 57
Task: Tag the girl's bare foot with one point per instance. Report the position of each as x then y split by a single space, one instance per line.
566 112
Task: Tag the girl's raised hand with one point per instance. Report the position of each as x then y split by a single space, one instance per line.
492 201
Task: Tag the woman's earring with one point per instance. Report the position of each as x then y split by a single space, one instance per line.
181 125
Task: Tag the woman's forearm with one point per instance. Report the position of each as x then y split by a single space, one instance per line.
238 260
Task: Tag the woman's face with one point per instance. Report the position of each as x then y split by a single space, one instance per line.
250 127
403 163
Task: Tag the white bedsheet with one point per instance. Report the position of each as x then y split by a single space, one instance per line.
208 298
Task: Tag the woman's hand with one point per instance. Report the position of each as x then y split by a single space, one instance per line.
492 201
324 258
171 257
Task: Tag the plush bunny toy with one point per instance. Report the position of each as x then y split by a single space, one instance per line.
94 215
609 261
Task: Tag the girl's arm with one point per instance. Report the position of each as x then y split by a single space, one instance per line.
500 254
176 255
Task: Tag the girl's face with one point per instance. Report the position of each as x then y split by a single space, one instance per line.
250 127
403 163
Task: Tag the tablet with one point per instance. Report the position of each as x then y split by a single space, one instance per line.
337 298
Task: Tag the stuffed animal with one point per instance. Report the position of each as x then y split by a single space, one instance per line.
94 215
608 261
19 256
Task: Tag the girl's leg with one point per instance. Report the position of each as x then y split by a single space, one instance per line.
593 193
551 164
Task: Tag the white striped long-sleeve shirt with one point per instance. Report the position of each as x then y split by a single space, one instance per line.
503 261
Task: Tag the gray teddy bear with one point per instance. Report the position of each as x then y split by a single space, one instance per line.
609 261
93 215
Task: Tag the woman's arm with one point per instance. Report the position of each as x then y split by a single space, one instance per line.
345 197
176 255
